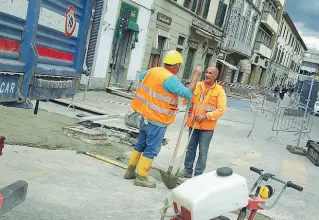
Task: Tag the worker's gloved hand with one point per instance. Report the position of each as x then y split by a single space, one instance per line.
197 72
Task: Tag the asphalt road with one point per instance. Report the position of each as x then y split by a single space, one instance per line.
68 186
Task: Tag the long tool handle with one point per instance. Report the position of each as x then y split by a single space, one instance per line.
185 150
170 168
190 137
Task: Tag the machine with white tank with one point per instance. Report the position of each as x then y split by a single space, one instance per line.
216 193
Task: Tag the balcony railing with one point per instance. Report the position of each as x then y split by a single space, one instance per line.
270 22
262 49
238 46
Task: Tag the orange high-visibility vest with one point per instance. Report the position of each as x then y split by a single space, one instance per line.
152 101
201 105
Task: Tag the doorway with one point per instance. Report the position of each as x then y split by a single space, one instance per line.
121 56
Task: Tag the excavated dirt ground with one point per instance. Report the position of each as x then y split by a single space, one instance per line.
22 127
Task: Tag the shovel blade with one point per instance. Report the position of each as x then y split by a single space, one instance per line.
169 179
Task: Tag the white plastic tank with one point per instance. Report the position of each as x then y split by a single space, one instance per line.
212 194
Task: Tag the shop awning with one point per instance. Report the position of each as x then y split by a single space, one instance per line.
227 64
133 26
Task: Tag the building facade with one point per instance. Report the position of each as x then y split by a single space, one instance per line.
240 33
184 25
135 34
121 42
310 63
287 56
265 41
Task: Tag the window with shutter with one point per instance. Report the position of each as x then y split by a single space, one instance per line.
189 63
219 13
199 7
206 9
194 5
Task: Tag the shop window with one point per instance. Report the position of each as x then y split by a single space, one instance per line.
181 40
221 12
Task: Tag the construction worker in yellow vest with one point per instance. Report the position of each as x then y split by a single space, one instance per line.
156 100
207 106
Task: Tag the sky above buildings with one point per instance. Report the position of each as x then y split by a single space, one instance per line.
305 14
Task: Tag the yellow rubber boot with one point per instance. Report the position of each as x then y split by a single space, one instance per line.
130 172
142 172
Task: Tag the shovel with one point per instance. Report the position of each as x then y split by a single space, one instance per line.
168 178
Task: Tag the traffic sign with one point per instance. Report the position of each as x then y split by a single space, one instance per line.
70 21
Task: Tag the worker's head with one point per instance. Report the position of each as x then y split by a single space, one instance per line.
211 75
172 61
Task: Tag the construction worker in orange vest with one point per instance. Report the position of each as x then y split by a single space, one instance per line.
156 100
207 106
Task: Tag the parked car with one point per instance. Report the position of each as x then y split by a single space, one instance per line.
316 108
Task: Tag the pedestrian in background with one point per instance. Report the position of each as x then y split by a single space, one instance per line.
207 106
156 100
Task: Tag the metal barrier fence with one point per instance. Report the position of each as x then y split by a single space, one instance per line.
293 120
268 106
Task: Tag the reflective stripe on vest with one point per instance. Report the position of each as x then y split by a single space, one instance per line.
154 107
158 96
207 109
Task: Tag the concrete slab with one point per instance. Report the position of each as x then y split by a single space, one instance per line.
66 186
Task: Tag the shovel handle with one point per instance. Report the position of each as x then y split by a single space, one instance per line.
180 135
189 139
183 155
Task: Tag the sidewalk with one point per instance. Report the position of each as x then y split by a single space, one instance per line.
231 147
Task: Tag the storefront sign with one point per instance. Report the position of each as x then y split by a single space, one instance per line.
164 18
205 27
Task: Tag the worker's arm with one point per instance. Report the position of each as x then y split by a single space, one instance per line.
197 72
221 107
173 85
141 76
